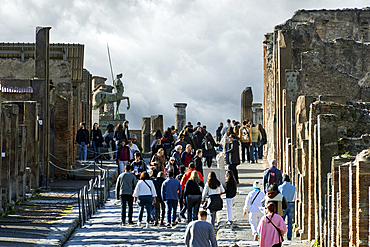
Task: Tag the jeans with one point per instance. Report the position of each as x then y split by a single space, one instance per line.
260 151
129 199
245 146
254 151
145 201
122 165
290 213
213 218
96 149
193 206
171 208
82 151
226 154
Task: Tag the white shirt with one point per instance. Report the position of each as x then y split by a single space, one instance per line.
208 191
133 148
142 189
255 207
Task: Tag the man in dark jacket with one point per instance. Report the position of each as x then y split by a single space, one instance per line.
126 183
198 137
82 139
218 132
198 161
234 157
272 176
171 193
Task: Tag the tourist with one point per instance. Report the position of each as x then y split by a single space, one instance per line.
96 140
159 160
119 134
144 194
188 125
226 127
181 201
213 190
245 140
187 156
133 148
177 154
200 232
126 182
289 192
137 143
253 204
225 141
198 161
157 145
272 175
187 175
159 206
181 142
109 140
82 140
271 228
157 136
233 156
126 132
167 141
172 166
218 132
230 195
171 193
208 148
263 141
175 134
193 195
273 195
123 155
204 130
138 165
256 136
188 139
198 137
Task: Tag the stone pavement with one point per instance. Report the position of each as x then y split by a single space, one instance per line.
104 229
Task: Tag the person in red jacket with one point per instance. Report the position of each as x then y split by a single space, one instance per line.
187 175
123 155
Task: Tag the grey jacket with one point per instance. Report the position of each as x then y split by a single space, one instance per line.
200 233
126 183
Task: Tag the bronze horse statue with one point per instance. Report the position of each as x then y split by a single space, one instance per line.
101 97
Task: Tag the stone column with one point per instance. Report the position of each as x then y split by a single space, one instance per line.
145 134
156 123
246 104
180 115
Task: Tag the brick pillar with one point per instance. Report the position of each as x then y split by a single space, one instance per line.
344 205
362 197
327 148
352 205
305 213
329 209
311 180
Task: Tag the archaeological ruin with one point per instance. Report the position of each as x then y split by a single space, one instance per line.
317 118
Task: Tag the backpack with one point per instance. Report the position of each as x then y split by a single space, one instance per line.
195 139
272 176
207 144
120 135
110 135
245 134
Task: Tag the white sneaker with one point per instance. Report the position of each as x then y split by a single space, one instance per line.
139 224
147 225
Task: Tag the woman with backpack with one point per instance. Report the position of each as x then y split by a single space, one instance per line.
271 228
208 147
253 204
213 190
230 195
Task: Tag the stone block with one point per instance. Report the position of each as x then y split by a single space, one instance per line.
336 99
246 104
156 123
180 115
145 133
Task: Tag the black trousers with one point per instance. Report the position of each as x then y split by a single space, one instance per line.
209 161
233 168
245 146
130 201
277 245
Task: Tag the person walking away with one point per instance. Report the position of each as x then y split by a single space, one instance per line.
226 142
82 140
200 232
213 190
167 142
144 195
277 198
230 195
245 140
233 155
123 155
226 127
159 206
198 137
125 185
96 140
109 140
126 132
187 156
193 195
263 141
256 135
159 160
133 148
198 161
138 165
208 145
181 201
171 193
218 132
271 228
253 204
188 139
289 192
271 176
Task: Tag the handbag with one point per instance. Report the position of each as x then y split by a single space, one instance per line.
216 203
278 230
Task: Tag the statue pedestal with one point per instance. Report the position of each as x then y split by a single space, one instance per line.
105 120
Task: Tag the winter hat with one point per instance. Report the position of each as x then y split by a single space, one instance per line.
172 158
256 185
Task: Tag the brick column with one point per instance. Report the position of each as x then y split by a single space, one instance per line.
352 205
311 177
305 214
344 205
362 197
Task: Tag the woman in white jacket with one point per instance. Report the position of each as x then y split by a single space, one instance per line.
253 204
145 194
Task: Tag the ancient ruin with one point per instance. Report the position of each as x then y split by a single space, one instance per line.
316 115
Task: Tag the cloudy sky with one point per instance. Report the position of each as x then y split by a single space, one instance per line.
197 51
